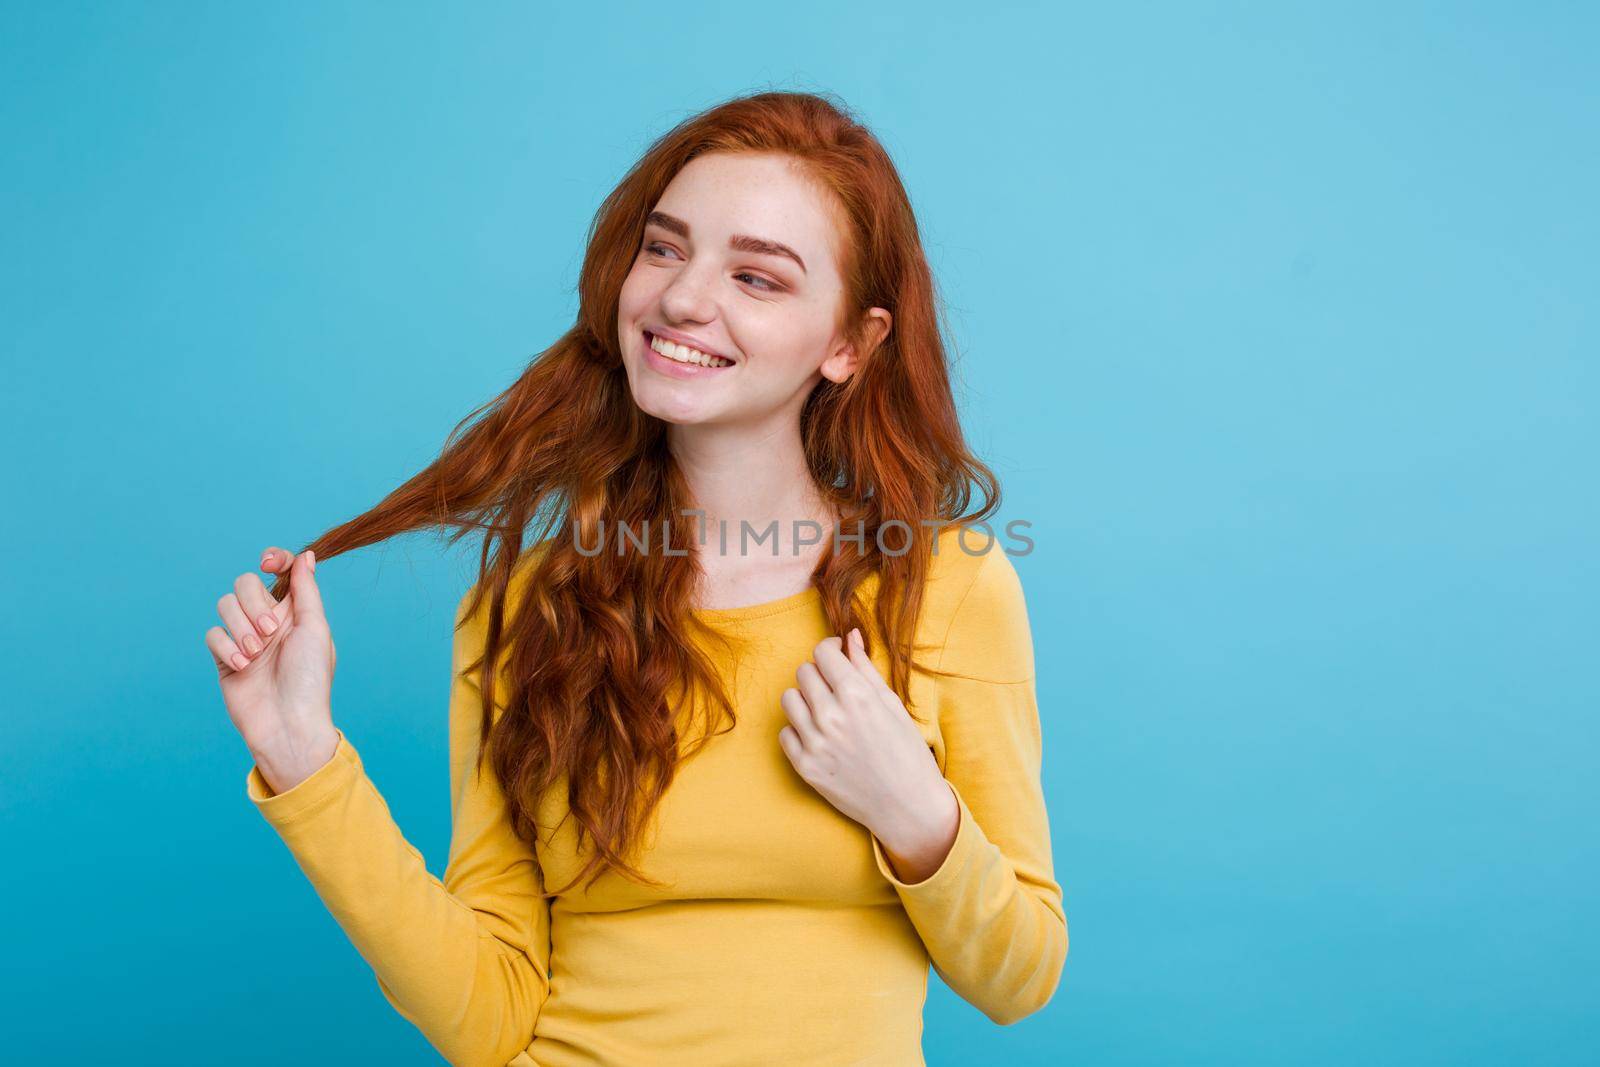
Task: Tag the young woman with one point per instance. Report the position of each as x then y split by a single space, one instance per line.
722 787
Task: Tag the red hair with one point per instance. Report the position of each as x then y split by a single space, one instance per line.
600 651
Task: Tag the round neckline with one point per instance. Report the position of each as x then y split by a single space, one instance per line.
807 595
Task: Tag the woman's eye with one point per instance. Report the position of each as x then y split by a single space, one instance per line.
655 248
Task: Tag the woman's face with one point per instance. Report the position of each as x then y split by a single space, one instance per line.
738 260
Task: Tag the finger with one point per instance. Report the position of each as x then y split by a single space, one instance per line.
257 603
850 687
819 698
276 559
240 628
799 714
864 664
224 653
793 747
833 663
303 588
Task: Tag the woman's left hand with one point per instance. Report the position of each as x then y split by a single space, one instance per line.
850 737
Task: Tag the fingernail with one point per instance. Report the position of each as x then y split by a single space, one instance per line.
239 662
267 624
266 558
311 560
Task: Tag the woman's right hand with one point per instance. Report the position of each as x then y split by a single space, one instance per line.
275 663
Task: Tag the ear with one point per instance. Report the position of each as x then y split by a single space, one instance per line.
846 361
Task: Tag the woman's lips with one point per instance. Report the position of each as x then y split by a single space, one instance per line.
672 368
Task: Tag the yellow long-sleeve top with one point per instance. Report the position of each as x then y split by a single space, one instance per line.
783 935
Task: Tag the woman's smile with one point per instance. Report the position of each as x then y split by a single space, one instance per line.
679 361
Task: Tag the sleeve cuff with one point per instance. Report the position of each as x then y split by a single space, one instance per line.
968 838
332 778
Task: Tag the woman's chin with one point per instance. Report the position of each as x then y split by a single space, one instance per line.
677 409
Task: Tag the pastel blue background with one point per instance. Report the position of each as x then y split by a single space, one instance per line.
1276 321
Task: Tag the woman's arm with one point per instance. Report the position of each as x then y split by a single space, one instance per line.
991 915
465 959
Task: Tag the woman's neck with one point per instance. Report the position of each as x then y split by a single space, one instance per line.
742 476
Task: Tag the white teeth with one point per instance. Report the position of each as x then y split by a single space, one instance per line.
685 354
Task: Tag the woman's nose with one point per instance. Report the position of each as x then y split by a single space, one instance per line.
690 295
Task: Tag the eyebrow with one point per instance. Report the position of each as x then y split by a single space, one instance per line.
739 242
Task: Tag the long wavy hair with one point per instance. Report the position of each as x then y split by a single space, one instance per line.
600 651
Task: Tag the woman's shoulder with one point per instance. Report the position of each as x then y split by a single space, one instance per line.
471 632
975 608
516 588
970 566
